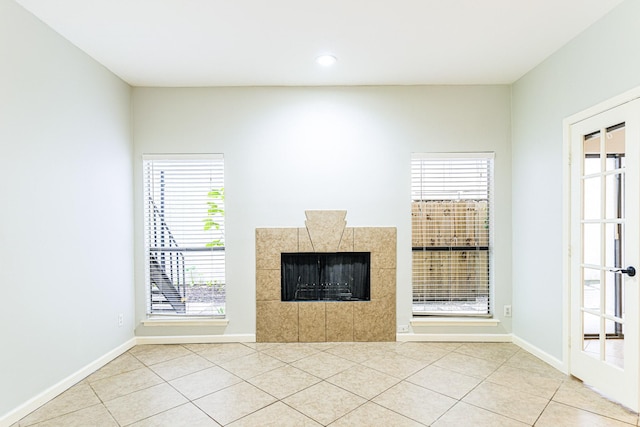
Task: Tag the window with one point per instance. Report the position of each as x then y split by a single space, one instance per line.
451 211
184 234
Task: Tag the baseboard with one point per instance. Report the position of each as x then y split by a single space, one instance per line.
454 337
195 339
530 348
53 391
542 355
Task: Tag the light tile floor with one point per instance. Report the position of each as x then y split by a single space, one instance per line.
336 384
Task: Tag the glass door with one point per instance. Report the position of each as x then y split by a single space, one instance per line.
604 248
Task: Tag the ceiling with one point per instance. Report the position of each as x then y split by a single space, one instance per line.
274 43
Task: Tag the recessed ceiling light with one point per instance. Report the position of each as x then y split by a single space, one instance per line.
326 60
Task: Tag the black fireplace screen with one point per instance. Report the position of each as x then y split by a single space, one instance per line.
341 276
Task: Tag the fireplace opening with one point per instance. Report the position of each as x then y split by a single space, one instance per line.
339 276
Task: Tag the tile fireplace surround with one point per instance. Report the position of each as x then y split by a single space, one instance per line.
316 321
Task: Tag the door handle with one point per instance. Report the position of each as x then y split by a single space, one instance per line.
630 271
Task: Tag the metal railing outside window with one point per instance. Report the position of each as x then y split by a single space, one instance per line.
184 234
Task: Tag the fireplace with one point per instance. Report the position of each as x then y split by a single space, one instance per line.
339 276
328 305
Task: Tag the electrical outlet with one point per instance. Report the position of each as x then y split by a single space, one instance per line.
507 311
403 328
120 319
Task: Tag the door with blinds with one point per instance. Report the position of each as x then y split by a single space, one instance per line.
451 233
605 211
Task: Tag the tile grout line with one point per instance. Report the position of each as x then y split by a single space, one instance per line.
400 380
549 402
485 380
459 400
324 350
371 399
103 403
149 366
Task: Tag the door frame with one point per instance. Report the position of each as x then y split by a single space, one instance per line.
599 108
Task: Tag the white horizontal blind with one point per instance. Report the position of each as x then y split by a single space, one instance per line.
184 234
451 233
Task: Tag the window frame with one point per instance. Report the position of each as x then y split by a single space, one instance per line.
198 247
423 158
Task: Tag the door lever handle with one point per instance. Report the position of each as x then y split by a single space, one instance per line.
630 271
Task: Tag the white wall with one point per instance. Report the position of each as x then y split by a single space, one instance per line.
598 64
288 150
66 222
67 203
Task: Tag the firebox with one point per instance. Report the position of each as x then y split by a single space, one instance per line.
315 276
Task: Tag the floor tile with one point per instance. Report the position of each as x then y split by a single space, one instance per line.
526 381
357 351
144 403
199 347
496 352
379 348
449 346
275 415
444 381
467 365
321 346
574 393
118 385
187 415
415 402
156 353
78 397
181 366
324 402
373 415
284 381
395 365
468 415
559 415
508 402
363 381
289 353
219 353
121 364
323 365
338 384
234 402
529 362
258 346
252 365
201 383
96 415
422 351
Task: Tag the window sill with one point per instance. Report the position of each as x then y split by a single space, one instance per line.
452 321
185 321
